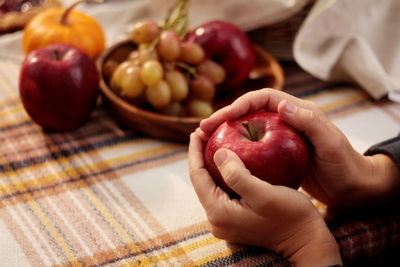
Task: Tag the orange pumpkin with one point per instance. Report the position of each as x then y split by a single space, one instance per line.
59 25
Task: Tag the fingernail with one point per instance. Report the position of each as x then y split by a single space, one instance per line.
290 108
220 156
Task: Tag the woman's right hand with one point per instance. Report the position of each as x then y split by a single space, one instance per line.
338 175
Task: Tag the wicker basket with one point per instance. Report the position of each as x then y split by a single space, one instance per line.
278 38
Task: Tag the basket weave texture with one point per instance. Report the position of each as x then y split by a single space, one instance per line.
278 38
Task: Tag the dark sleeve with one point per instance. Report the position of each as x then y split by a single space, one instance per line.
390 147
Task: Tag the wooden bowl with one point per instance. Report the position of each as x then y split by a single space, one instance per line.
267 73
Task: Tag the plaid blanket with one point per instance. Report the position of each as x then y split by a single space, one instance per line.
103 195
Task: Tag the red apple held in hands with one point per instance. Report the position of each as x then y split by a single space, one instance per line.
227 44
59 86
270 149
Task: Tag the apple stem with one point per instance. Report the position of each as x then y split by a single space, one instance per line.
65 15
253 133
56 55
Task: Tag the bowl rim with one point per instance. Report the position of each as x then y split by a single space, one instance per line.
133 109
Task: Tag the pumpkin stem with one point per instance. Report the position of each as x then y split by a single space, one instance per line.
65 15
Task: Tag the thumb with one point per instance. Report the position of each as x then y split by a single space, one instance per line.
238 177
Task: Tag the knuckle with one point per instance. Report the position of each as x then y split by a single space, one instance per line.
265 91
315 117
337 145
232 174
311 105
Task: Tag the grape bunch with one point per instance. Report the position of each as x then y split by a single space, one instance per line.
173 76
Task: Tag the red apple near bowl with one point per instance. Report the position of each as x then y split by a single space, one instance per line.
270 149
59 86
227 44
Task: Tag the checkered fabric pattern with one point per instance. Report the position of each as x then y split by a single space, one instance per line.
103 195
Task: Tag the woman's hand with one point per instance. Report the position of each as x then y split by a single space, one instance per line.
339 175
274 217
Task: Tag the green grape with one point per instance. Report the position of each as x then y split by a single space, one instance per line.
144 32
178 84
202 88
169 45
132 85
159 95
146 53
116 78
199 108
152 72
191 53
212 70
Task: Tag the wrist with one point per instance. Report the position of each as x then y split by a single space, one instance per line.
383 182
376 179
321 251
313 246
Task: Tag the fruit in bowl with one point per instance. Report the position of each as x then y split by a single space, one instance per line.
166 71
171 66
228 45
269 148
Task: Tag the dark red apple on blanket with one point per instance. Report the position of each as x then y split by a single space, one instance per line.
59 86
229 45
270 149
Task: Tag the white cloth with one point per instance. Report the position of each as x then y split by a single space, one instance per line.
115 17
118 16
354 41
340 40
248 14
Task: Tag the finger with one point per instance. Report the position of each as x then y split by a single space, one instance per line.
202 182
254 100
264 99
247 103
209 125
260 196
312 122
202 135
250 103
239 178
